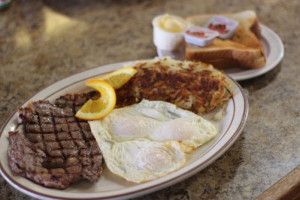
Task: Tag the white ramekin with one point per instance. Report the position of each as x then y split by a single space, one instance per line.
165 40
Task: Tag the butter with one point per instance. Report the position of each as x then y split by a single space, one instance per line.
171 24
167 32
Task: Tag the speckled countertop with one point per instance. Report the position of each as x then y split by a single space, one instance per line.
44 41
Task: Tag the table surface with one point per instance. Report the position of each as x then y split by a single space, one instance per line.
44 41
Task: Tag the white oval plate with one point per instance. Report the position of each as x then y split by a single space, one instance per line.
274 51
110 186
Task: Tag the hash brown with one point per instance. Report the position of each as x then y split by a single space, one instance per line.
193 86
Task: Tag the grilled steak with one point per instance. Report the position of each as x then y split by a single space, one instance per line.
54 148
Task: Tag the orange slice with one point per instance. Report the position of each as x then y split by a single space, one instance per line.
99 108
119 77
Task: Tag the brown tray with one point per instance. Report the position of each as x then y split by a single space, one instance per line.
286 188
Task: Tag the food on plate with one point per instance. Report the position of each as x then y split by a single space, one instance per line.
157 121
139 160
52 147
105 85
98 108
193 86
242 50
119 77
167 32
140 140
148 140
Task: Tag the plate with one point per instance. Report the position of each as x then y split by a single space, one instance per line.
111 186
274 51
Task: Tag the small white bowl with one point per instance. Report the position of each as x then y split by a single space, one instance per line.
165 40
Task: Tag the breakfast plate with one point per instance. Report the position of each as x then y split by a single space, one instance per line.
109 185
274 51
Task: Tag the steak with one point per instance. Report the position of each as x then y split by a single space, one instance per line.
53 148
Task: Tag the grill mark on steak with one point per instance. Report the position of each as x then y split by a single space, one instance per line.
55 149
56 138
82 136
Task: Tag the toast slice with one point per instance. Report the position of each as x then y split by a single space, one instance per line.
243 50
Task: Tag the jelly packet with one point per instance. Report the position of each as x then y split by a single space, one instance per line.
200 36
226 27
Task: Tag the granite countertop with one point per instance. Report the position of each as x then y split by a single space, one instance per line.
44 41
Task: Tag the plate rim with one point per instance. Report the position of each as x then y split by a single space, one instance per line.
240 76
147 189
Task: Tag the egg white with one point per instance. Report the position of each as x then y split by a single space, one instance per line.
157 121
148 140
141 160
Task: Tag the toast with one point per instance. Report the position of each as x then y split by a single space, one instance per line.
243 50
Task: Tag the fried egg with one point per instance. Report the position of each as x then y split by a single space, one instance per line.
141 160
148 140
156 121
